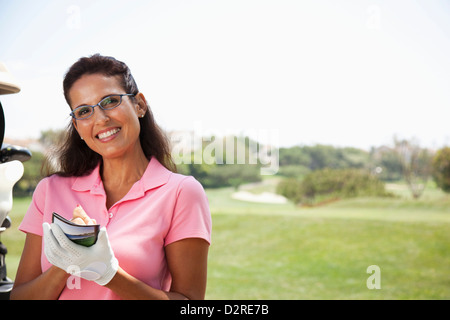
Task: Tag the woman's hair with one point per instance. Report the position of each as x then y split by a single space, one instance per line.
72 156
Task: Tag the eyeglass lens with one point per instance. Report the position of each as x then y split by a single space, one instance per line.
107 103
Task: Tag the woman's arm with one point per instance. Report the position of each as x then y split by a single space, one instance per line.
30 282
187 263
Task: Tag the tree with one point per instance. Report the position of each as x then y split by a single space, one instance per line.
50 137
31 176
322 156
416 164
230 165
441 169
325 185
291 189
385 158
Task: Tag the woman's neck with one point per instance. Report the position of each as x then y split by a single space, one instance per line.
119 175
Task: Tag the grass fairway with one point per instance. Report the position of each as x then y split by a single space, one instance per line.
264 251
285 257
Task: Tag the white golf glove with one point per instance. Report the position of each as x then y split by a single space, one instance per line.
96 263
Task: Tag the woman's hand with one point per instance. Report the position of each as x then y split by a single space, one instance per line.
96 263
81 217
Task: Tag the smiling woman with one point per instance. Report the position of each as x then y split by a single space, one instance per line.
115 163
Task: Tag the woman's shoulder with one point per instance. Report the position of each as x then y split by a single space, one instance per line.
55 181
186 184
158 173
59 178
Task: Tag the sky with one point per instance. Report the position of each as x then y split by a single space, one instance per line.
338 72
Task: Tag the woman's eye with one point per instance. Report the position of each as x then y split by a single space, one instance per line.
110 102
83 111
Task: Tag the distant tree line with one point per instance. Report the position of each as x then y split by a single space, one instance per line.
299 160
326 185
323 171
234 162
232 166
305 169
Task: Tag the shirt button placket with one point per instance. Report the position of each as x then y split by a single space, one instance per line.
107 216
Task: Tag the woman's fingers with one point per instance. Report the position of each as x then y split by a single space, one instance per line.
81 217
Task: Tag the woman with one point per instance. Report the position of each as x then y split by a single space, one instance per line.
116 165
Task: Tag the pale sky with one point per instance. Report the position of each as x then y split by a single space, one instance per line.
340 72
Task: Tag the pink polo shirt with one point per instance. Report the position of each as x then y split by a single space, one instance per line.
161 208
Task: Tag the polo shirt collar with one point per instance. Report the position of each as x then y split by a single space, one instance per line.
154 176
89 182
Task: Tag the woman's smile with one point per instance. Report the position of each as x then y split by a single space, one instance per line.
108 134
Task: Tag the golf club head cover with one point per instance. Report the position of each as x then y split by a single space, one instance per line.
96 263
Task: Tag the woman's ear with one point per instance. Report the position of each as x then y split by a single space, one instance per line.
142 105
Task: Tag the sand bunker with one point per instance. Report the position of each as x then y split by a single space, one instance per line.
265 197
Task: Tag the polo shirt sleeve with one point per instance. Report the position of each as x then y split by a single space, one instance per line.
33 219
191 217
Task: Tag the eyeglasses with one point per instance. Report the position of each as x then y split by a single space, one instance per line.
107 103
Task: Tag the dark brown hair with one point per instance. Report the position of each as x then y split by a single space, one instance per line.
73 156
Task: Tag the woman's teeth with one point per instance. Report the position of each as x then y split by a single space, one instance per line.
109 133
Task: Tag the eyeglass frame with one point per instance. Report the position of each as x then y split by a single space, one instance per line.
72 114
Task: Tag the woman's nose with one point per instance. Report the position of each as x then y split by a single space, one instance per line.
100 115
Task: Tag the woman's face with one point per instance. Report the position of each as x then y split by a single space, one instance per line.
111 133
